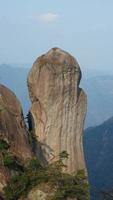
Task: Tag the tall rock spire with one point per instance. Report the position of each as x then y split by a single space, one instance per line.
58 107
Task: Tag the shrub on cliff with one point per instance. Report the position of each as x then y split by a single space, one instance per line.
62 185
3 145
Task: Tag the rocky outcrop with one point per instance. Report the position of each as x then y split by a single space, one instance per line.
36 194
58 107
42 194
12 125
12 130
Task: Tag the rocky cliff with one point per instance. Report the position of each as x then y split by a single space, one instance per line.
58 107
13 132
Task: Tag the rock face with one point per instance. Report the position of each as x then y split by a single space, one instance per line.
12 130
36 194
58 107
4 178
12 126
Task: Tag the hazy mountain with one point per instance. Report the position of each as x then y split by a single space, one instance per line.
98 145
16 79
100 98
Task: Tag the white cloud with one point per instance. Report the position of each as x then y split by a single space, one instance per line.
47 17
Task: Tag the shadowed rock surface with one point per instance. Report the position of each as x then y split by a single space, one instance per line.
12 130
12 125
58 107
4 178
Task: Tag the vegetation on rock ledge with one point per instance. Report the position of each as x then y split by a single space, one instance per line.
62 185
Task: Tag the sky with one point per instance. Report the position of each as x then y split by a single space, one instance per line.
82 27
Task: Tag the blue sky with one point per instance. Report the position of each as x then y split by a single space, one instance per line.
82 27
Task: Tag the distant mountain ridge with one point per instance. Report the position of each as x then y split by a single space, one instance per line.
98 146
